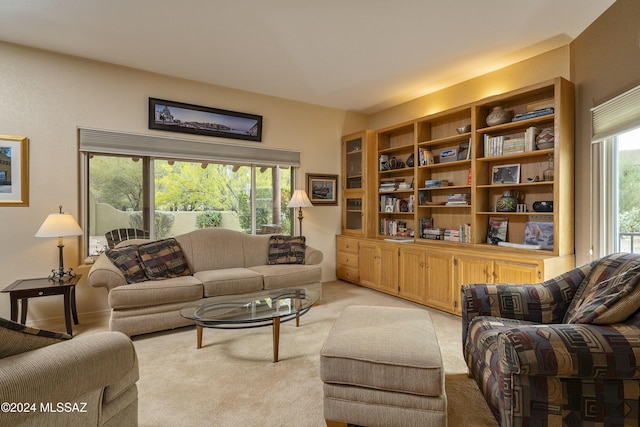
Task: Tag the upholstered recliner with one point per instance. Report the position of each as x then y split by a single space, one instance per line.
562 352
49 379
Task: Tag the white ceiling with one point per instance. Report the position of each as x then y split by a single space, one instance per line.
359 55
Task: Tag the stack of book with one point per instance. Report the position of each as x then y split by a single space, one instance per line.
436 183
458 199
451 235
532 114
465 233
389 184
434 233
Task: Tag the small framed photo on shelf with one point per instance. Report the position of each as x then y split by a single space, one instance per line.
505 174
497 231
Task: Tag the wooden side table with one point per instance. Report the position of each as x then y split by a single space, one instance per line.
32 288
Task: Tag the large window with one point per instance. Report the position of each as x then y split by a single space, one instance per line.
618 228
128 186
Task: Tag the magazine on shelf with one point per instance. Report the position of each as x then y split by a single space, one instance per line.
497 231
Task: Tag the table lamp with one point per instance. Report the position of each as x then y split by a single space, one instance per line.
300 200
60 225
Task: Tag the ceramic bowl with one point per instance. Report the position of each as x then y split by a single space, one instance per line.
464 129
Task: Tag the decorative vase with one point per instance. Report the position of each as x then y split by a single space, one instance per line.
498 116
508 202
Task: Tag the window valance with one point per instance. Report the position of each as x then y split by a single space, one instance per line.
616 115
111 142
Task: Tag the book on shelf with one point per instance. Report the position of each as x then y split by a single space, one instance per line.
532 114
539 231
425 223
465 233
458 199
393 227
497 230
425 157
504 144
434 233
530 138
451 235
396 204
436 183
464 153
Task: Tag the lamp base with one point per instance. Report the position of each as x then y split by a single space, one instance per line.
61 275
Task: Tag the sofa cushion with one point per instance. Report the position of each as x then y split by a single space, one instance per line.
16 338
287 275
127 259
286 250
229 281
163 259
156 292
609 294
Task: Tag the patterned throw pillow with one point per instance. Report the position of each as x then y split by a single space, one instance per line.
16 338
163 259
610 293
126 258
286 250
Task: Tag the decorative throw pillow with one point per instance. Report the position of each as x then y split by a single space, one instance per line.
163 259
286 250
610 293
126 258
16 338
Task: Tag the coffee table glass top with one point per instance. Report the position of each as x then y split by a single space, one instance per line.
250 308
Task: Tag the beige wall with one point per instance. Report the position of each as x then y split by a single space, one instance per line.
605 63
46 96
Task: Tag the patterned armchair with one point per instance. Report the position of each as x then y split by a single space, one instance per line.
562 352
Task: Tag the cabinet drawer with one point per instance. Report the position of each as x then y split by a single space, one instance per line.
347 259
347 273
347 245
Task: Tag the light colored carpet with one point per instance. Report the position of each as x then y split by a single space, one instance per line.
232 380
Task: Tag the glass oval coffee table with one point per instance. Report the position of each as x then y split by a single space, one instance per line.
251 311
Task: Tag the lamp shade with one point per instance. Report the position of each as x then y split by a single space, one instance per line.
299 199
59 225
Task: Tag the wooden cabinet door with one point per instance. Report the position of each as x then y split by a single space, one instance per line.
471 270
378 266
388 256
369 264
413 273
516 272
440 290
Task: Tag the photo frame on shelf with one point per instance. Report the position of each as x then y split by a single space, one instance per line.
14 170
506 174
322 189
198 120
539 231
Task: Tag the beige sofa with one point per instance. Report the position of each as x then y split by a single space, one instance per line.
221 262
49 379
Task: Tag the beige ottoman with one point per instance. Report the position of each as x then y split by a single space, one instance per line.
381 366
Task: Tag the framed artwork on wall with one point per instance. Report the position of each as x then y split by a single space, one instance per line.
322 189
198 120
14 170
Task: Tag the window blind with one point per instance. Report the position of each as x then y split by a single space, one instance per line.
111 142
616 115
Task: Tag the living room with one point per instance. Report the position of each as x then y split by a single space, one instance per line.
48 96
